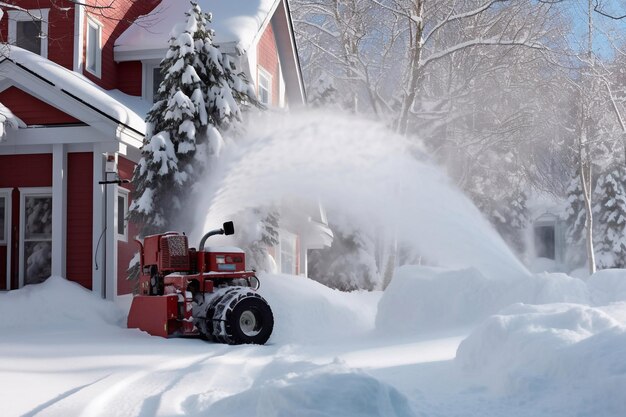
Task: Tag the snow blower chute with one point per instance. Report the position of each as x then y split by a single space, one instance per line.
203 292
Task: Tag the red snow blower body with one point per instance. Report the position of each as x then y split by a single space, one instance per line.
206 293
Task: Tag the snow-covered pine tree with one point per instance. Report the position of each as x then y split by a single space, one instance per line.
322 92
200 96
575 212
611 218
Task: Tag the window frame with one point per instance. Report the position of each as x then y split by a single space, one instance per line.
263 73
24 193
93 23
293 238
24 16
147 88
125 194
5 194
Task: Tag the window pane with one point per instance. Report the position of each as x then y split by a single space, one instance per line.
92 47
121 215
27 35
37 261
3 237
288 254
157 78
38 218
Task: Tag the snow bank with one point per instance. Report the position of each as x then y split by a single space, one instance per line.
319 395
56 302
608 286
551 353
422 298
306 311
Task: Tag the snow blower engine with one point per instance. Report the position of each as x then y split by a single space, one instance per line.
206 293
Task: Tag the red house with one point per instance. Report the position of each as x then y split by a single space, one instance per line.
81 80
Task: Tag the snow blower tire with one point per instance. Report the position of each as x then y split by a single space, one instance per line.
243 317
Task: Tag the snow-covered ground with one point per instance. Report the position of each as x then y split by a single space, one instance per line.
64 352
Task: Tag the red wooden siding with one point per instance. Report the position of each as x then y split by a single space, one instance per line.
60 29
34 170
267 53
32 110
119 19
129 77
79 218
126 250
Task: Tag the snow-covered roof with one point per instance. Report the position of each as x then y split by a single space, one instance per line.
76 86
234 22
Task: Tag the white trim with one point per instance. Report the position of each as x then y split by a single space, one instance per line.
262 72
7 193
32 14
97 227
79 36
124 193
28 192
59 210
147 79
97 71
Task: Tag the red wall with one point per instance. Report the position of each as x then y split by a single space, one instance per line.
129 77
126 250
114 23
268 59
33 170
79 218
60 29
32 110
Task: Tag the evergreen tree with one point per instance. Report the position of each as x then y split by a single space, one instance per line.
199 97
611 211
575 212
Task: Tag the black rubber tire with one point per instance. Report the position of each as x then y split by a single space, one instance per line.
264 321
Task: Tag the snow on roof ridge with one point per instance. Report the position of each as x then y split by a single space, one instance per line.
76 85
234 22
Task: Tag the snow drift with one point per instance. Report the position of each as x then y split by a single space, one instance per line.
56 303
422 298
567 357
307 311
346 394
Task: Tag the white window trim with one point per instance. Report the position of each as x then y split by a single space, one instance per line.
124 193
7 193
28 192
91 22
147 92
21 16
263 72
284 234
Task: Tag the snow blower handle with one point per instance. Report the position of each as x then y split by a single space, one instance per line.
227 229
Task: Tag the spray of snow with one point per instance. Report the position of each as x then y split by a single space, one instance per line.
361 168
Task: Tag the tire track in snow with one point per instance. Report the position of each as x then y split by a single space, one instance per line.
143 390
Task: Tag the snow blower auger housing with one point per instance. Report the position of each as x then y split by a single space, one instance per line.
206 293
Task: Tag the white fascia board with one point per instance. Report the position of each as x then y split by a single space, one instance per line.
129 137
143 55
55 135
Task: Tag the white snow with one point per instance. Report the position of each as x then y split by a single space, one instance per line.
77 85
235 22
8 119
63 351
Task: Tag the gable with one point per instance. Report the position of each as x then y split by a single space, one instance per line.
33 111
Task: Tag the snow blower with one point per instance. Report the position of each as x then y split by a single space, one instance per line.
203 292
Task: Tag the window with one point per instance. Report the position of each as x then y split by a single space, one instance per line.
265 87
29 30
287 253
157 78
93 62
36 232
122 214
545 242
4 217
